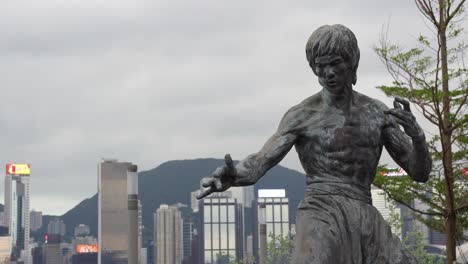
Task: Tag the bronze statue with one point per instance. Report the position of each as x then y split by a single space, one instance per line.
339 135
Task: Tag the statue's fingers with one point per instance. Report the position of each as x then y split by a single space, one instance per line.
396 105
228 160
218 184
405 103
204 192
400 115
207 182
229 165
219 172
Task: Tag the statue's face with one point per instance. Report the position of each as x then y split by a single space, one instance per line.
334 73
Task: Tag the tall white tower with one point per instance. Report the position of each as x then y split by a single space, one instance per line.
17 204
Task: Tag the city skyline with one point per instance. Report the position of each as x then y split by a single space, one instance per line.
79 65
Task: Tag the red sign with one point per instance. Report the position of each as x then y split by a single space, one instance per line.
18 169
465 172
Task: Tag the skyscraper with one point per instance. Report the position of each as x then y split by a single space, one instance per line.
112 212
221 229
385 207
81 230
169 238
36 220
188 235
272 210
17 208
53 254
56 227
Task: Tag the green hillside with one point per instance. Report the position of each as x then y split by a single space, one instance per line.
172 182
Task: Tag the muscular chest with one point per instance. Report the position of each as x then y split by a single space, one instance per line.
334 131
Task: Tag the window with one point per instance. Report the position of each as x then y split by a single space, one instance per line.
222 214
285 211
207 236
231 214
207 213
269 213
232 236
208 256
223 236
215 236
277 212
215 214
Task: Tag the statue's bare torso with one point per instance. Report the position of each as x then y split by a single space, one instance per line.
336 144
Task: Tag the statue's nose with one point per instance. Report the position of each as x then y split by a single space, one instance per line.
329 73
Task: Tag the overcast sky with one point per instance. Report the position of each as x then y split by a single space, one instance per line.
152 81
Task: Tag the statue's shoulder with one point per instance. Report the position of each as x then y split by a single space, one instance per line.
302 111
370 102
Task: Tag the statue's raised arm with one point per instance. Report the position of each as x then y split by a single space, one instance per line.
414 156
252 168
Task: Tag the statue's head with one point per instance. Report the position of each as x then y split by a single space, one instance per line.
333 40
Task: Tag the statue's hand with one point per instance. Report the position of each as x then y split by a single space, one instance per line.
222 178
405 118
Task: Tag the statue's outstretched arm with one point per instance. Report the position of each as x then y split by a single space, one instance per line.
252 168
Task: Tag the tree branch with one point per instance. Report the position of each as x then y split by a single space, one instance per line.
454 13
461 207
426 9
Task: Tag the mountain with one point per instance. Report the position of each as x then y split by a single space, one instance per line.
172 182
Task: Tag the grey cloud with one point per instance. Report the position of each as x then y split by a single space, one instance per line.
150 81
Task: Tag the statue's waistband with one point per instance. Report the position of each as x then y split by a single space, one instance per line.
349 190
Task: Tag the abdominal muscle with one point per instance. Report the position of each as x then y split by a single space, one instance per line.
351 164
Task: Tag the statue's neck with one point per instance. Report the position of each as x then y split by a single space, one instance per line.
341 101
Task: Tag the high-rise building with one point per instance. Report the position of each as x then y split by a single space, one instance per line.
52 252
272 211
36 220
188 235
140 229
169 238
5 248
150 252
3 221
144 256
17 208
244 195
113 220
385 207
221 228
56 227
81 230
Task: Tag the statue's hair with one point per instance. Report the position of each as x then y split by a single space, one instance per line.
335 39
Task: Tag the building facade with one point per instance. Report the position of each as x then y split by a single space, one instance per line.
56 227
169 236
17 204
113 220
52 250
272 211
36 220
221 228
385 207
81 230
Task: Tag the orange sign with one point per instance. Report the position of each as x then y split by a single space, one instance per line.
18 169
84 248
